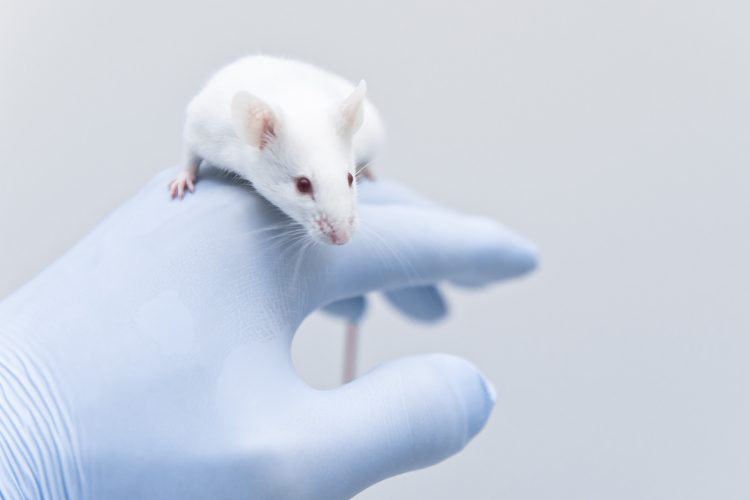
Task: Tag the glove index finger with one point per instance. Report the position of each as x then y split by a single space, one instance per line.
402 246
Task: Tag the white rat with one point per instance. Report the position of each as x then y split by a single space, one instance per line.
299 134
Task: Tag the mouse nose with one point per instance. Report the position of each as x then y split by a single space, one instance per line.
338 238
337 234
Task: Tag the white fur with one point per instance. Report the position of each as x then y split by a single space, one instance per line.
295 120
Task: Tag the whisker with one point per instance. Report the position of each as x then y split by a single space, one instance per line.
412 273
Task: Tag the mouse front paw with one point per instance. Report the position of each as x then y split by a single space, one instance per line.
185 181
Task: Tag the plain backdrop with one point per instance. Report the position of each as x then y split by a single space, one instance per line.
613 134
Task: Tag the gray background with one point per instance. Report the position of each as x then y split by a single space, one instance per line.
614 134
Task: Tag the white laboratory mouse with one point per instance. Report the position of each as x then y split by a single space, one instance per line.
298 133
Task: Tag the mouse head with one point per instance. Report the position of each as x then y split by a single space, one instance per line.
306 165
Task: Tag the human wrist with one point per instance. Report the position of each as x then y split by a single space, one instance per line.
38 457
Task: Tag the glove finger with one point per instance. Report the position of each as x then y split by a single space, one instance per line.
421 303
352 309
404 415
402 246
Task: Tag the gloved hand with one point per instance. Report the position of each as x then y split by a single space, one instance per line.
152 361
423 303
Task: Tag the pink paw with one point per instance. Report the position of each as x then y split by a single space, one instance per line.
185 181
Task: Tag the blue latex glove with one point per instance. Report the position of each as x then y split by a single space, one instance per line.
152 361
422 303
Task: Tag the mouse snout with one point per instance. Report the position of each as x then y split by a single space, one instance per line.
333 231
338 238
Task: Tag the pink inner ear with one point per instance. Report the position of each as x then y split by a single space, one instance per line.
267 131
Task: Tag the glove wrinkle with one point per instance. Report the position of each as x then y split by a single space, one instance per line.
36 435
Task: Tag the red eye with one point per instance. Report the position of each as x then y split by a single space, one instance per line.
350 178
304 185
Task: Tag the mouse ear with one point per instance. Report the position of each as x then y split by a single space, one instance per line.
352 110
253 119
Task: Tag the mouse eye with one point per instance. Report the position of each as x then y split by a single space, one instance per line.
350 178
304 185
